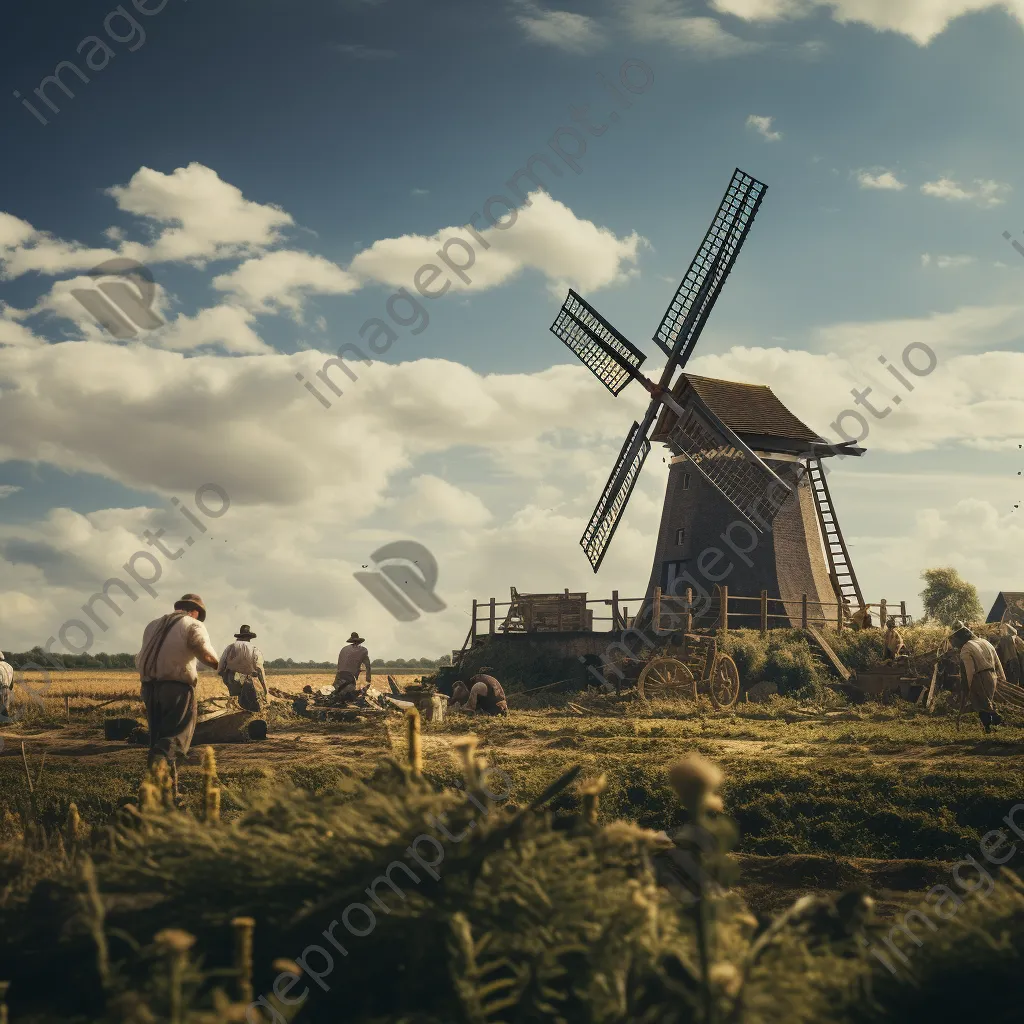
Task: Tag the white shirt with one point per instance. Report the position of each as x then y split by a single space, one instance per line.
479 690
242 657
6 675
977 655
353 658
177 658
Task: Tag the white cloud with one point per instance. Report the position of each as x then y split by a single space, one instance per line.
763 126
952 262
204 216
225 326
6 490
985 193
669 21
921 20
547 237
885 180
574 33
282 279
433 500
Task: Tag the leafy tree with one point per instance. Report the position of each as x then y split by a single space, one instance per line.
444 661
377 663
948 598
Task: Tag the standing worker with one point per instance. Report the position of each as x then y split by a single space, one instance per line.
6 686
983 672
486 694
246 659
167 668
350 660
893 641
1009 648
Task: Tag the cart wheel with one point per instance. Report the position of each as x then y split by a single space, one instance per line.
666 677
724 682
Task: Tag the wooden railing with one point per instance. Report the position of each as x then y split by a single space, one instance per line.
725 611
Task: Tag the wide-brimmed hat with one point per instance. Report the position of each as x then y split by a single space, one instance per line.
244 633
355 638
960 635
191 603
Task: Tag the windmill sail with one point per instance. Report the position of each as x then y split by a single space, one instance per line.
601 348
601 528
690 308
751 487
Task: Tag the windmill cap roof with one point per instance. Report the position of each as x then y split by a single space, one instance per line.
745 408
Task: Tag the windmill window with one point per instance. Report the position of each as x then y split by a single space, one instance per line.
680 537
686 481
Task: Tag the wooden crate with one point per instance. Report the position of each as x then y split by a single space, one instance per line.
555 613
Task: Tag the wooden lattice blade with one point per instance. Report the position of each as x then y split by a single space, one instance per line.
601 348
603 523
697 293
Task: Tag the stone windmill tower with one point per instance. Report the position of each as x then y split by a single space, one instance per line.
747 478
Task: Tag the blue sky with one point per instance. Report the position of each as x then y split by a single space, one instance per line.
342 136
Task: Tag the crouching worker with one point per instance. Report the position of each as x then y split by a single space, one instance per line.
983 672
167 668
353 657
486 695
245 659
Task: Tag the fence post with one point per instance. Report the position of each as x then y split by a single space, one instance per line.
615 610
689 609
881 613
803 611
724 591
839 616
764 612
472 632
903 613
657 610
492 617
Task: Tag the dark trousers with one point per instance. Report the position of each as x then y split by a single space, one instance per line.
171 710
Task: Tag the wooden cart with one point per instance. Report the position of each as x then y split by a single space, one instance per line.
689 666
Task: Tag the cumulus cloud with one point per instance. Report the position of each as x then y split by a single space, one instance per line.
546 237
433 500
283 279
884 180
670 21
947 262
763 127
6 490
984 192
921 20
574 33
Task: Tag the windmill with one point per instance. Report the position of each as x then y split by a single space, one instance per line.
753 458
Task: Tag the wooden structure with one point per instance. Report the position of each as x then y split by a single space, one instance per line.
547 613
1007 607
746 474
803 553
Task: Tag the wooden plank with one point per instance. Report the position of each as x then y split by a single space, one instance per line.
826 647
882 614
764 612
472 631
657 609
689 609
491 630
615 610
803 611
724 592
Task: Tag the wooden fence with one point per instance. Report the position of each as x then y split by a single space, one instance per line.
735 611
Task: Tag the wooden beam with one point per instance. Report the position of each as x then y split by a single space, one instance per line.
803 611
903 613
764 612
657 610
882 613
472 629
724 592
615 610
689 609
491 630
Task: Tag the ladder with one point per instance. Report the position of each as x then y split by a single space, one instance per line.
840 567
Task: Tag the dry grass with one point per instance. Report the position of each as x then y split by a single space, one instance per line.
104 684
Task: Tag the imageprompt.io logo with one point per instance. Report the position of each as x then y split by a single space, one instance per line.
122 306
404 580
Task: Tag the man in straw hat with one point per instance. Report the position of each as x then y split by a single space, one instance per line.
351 659
171 645
983 672
245 659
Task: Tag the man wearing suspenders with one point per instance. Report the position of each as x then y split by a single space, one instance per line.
171 645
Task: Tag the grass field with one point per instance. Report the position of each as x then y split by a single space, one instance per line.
879 798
